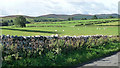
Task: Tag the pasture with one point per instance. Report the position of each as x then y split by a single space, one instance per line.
65 28
71 31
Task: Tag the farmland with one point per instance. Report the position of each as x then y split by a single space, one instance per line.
71 28
58 33
26 49
84 30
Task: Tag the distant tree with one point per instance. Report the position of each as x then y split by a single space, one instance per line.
94 17
100 18
11 21
111 17
27 22
8 21
5 23
35 20
20 21
2 20
83 18
70 18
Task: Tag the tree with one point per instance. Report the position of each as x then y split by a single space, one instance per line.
111 17
11 21
95 17
71 18
4 23
20 21
83 18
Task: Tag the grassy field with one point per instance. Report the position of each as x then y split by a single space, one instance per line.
64 28
67 53
108 24
82 30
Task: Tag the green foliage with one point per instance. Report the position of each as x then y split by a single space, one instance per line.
4 23
63 54
111 17
43 19
94 17
70 19
83 18
20 21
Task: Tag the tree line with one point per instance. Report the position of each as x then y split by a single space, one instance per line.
94 17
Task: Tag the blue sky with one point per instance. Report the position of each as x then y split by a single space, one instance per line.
43 7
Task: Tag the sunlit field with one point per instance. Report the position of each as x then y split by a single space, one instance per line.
81 30
70 28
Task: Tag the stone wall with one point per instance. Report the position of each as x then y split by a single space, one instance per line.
43 44
35 41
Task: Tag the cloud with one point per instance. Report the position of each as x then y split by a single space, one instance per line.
42 7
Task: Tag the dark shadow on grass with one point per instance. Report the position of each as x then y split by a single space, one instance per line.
31 30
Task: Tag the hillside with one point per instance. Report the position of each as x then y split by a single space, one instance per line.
79 16
65 17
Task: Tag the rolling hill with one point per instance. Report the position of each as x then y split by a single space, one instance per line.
65 17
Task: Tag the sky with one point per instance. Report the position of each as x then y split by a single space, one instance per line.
69 7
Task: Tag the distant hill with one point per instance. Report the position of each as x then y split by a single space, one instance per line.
65 17
79 16
12 16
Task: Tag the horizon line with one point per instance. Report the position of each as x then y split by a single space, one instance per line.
52 14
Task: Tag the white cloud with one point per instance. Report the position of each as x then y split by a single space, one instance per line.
42 7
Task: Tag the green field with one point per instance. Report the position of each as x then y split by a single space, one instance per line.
64 28
59 52
108 24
